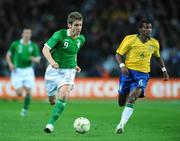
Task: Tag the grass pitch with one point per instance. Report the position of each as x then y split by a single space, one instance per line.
151 121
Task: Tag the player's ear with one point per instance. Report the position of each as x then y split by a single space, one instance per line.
69 25
22 33
139 30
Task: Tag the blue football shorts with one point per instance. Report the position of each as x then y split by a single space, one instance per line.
134 80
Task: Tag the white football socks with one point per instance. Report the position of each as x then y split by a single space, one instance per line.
126 114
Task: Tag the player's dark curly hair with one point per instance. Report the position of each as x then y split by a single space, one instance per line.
140 24
73 16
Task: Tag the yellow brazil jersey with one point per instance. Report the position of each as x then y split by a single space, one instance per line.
138 54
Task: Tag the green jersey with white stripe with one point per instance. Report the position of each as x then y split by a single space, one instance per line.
21 53
64 48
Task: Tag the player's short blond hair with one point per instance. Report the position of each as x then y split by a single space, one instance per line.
73 16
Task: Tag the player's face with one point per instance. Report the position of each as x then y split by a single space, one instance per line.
146 29
26 35
76 27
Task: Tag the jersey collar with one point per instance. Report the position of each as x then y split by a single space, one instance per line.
22 41
68 33
138 35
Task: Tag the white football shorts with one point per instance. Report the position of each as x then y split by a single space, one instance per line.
23 77
55 78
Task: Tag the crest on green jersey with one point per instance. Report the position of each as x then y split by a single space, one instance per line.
30 48
78 44
20 48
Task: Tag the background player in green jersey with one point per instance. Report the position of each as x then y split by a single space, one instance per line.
20 56
61 52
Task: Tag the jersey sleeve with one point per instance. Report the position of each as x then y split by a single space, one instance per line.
124 46
83 40
156 50
11 49
55 38
36 51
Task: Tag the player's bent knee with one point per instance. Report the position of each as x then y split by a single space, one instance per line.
52 100
52 103
28 92
132 99
64 92
19 92
63 96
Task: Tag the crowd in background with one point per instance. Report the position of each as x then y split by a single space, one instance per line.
106 23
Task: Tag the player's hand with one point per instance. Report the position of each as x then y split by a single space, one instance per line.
124 70
54 65
78 69
11 67
165 75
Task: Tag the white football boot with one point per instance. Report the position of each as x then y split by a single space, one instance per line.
24 112
49 128
119 129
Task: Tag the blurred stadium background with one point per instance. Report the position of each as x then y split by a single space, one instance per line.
106 23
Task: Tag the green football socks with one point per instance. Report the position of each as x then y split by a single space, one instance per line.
58 109
27 100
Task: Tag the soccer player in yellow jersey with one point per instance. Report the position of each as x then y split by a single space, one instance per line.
138 50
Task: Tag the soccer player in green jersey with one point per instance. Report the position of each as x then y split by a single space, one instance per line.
61 52
20 56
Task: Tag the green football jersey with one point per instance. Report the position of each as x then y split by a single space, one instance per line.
20 53
64 48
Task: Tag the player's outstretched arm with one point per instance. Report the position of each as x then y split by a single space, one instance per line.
160 62
47 55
